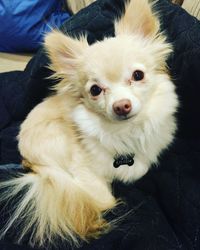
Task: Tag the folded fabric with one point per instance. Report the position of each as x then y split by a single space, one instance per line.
24 23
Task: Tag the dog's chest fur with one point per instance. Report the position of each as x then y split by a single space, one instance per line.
104 140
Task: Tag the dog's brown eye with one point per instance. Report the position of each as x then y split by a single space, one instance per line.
138 75
95 90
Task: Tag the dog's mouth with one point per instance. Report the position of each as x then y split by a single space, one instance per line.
123 117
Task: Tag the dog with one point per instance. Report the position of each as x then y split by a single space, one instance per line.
112 115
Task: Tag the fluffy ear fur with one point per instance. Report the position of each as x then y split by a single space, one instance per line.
65 55
64 52
138 18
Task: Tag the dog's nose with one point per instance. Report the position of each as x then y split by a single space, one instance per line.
122 107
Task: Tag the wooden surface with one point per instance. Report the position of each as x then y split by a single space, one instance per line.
9 62
193 7
76 5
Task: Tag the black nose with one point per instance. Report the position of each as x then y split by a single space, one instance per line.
122 107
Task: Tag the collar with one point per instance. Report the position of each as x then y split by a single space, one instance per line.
123 160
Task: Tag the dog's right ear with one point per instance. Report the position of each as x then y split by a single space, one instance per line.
64 53
138 18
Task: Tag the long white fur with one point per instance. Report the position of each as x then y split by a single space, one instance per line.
69 141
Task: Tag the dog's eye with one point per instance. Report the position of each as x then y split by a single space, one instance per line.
95 90
138 75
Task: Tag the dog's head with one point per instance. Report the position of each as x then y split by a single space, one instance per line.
114 77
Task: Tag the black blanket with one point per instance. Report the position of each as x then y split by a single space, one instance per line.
165 203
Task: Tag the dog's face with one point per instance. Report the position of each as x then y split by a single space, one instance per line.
114 77
120 75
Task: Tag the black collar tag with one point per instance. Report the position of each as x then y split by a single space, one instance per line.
123 160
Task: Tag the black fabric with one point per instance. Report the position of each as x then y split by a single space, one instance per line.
164 204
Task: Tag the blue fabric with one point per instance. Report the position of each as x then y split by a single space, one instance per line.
23 23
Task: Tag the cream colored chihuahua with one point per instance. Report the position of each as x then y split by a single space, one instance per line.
111 117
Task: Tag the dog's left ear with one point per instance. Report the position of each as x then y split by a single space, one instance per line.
64 53
138 18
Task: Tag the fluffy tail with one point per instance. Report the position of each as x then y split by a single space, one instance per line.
51 203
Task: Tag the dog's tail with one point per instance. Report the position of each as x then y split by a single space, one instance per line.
51 203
